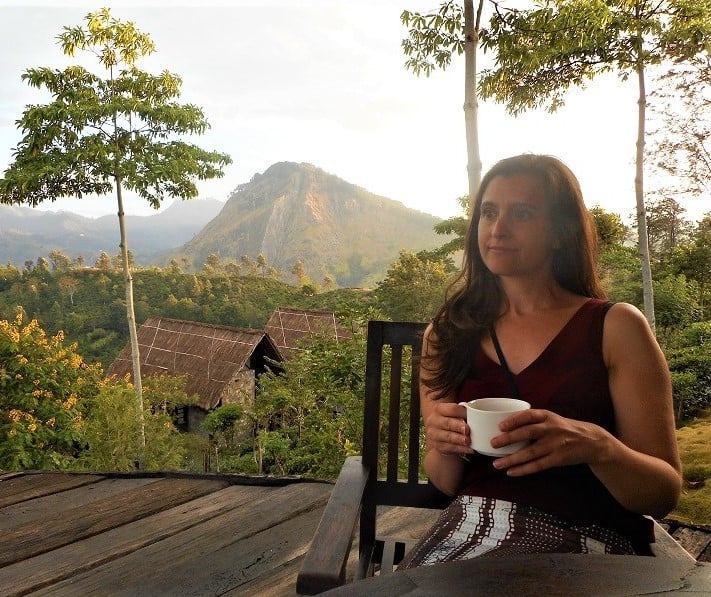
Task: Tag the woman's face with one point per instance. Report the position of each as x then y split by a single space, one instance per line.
515 232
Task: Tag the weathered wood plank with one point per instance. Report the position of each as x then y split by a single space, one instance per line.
30 486
406 523
240 540
10 475
694 542
257 556
43 570
17 515
278 582
160 568
98 516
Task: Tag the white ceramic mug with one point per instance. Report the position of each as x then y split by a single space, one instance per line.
483 418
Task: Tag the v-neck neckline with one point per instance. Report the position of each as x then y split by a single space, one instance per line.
548 346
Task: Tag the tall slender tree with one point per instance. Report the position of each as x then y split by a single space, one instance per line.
112 133
432 39
541 52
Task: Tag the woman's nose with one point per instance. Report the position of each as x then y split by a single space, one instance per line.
500 227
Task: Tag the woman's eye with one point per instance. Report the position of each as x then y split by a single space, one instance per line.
523 213
488 214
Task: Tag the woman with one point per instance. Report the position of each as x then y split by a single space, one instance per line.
603 450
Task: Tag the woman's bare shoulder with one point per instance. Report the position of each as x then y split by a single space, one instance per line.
627 333
625 316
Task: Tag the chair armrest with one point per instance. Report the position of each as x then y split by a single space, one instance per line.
324 565
666 546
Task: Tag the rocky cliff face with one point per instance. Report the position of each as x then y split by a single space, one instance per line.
299 212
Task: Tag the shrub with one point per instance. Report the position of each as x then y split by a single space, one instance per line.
113 431
691 380
44 390
697 334
675 301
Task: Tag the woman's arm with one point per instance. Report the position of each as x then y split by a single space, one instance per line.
447 434
642 469
640 464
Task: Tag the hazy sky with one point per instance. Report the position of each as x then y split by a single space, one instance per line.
324 82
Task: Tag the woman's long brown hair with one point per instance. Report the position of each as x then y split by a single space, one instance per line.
474 301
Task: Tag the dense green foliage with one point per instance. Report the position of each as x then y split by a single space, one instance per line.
58 412
414 287
45 388
110 432
307 419
310 418
89 303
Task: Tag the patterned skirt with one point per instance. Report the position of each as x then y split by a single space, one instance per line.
474 527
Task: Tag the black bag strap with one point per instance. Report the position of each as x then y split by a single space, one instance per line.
502 359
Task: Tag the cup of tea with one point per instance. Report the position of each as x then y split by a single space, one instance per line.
483 418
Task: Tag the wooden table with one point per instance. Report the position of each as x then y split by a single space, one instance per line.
543 574
78 535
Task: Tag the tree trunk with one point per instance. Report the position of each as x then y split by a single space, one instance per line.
131 317
471 106
643 242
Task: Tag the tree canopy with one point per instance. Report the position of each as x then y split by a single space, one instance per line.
98 132
120 131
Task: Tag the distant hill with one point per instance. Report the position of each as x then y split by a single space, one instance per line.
291 212
297 212
27 234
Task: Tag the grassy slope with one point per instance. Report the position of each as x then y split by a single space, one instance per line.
695 448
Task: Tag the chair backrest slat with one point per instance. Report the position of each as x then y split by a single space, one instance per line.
394 412
371 408
413 446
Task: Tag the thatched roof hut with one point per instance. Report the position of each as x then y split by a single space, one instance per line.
292 328
220 362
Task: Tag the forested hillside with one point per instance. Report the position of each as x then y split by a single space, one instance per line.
88 304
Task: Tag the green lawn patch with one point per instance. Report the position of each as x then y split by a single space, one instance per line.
695 448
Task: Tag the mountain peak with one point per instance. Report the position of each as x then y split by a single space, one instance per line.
284 171
299 212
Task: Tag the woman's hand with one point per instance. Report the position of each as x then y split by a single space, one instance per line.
447 430
555 441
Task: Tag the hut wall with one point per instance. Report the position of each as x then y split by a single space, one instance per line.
241 389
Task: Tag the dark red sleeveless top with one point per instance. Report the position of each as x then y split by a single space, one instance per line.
569 378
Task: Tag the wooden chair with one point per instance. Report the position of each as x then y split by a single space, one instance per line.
361 485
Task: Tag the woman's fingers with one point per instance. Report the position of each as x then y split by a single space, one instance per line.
554 441
446 429
526 417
